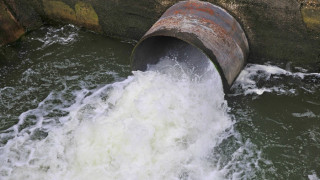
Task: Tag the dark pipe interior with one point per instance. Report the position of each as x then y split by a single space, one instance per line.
152 49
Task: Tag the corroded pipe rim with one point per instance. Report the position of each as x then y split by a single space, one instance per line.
207 27
176 36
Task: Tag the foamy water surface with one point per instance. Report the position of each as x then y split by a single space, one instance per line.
70 111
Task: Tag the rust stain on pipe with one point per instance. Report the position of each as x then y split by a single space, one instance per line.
209 28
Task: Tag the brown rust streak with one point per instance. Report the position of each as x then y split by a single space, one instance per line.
227 51
212 25
193 11
196 6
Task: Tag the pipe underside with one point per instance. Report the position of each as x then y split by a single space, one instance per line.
195 29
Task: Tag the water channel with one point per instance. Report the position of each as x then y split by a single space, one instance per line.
71 108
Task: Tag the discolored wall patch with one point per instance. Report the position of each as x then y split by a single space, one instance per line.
10 28
310 12
87 16
83 14
59 10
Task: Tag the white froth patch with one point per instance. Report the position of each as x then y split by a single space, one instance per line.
313 177
153 125
247 79
59 36
308 114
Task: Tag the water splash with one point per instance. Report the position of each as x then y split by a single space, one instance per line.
159 124
258 79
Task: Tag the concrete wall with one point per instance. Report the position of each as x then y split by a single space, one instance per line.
278 30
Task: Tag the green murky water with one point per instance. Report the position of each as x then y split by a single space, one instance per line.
274 113
57 60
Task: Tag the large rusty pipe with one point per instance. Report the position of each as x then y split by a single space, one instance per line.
202 29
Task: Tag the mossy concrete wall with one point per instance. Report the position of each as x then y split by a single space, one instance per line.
286 31
82 14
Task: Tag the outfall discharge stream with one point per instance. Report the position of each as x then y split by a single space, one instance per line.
71 109
160 124
163 123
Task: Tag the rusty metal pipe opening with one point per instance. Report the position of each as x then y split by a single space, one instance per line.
195 30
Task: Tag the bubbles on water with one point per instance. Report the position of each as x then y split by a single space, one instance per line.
278 111
305 114
258 79
63 36
153 125
313 176
168 123
58 69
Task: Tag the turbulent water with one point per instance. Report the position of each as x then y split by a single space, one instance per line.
278 112
69 111
151 125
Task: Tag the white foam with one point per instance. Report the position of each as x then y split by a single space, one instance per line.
249 77
313 177
59 36
309 114
160 124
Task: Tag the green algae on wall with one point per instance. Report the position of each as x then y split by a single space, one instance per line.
59 11
83 15
311 17
87 16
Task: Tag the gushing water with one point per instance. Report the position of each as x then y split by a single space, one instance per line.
160 124
58 119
